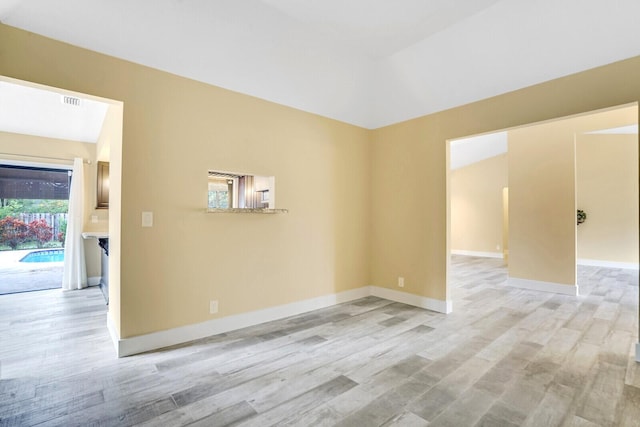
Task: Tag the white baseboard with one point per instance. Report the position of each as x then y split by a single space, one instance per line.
608 264
638 352
411 299
477 254
93 281
537 285
156 340
115 337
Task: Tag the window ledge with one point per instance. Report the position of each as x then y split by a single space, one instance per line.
248 210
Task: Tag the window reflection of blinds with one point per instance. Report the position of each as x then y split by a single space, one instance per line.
18 182
214 174
218 186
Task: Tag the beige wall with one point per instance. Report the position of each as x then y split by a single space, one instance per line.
607 190
410 224
476 205
542 203
16 147
505 224
175 130
339 233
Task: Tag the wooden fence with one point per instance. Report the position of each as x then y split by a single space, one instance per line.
54 221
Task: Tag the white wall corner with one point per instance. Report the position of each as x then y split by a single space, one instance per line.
411 299
115 337
638 352
93 281
449 307
537 285
183 334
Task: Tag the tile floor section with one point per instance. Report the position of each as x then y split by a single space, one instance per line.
505 357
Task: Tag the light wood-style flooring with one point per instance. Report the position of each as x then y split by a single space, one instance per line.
505 357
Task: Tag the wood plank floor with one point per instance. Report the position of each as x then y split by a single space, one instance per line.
505 357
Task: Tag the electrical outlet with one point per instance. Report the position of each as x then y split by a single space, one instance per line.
94 219
498 247
213 306
401 282
147 219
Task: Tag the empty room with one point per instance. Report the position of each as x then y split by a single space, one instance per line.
269 221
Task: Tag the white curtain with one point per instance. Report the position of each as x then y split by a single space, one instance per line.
75 270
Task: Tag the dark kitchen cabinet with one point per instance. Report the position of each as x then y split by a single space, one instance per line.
103 186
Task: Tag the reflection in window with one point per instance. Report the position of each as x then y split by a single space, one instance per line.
232 190
220 193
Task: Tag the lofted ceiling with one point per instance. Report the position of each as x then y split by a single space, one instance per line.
466 151
378 28
370 63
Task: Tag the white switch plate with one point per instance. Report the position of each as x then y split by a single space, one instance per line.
213 306
401 282
94 218
147 219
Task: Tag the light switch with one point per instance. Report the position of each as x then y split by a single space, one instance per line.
147 219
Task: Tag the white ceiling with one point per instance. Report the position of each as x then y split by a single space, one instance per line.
378 28
39 112
620 130
366 62
466 151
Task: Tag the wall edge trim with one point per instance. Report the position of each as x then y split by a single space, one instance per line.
477 253
155 340
183 334
93 281
537 285
412 299
608 264
113 333
638 352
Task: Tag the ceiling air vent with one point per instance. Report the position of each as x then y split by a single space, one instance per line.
71 100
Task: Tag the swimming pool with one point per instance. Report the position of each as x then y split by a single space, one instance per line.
48 255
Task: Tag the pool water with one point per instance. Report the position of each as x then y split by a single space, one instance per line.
49 255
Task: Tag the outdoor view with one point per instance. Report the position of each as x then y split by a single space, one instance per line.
32 231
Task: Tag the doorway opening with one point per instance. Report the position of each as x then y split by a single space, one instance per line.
56 128
518 204
34 203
